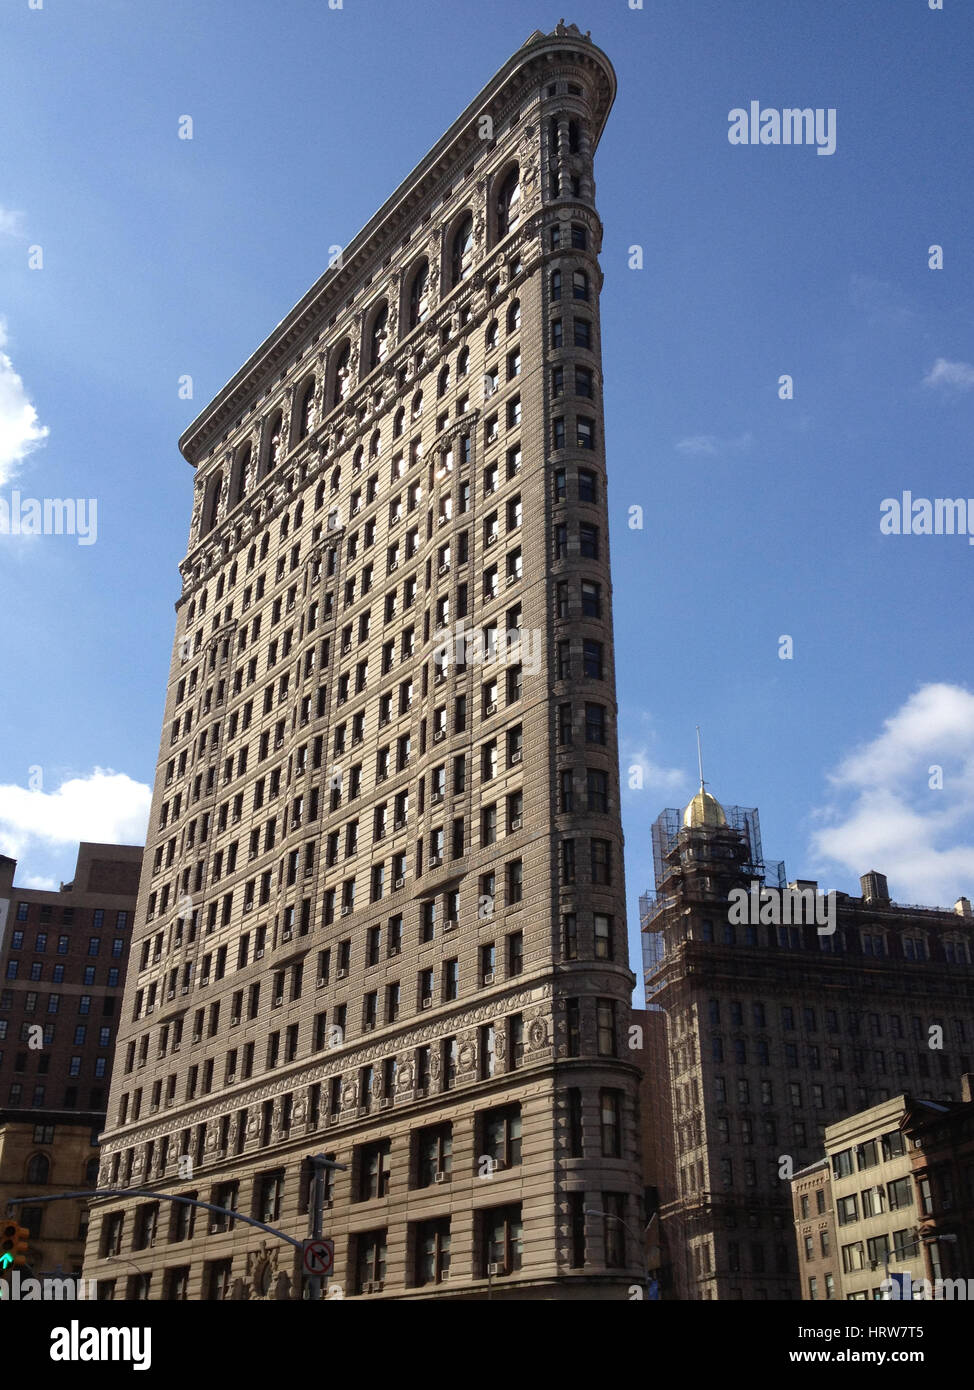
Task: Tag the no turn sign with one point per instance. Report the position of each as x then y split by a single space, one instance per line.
318 1256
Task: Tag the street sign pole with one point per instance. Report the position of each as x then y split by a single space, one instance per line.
316 1207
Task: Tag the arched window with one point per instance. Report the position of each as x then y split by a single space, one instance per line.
358 460
306 409
319 495
417 407
340 381
514 316
490 337
273 451
461 256
378 338
443 381
39 1169
509 203
398 422
375 444
419 296
238 475
285 526
211 503
463 362
251 558
336 480
298 515
232 577
556 284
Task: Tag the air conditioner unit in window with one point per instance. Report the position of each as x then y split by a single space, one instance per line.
491 539
441 1177
435 860
490 709
374 1286
443 520
439 734
170 994
400 883
512 579
248 907
205 980
346 912
516 822
399 822
287 933
385 1102
234 1020
450 924
443 569
393 950
340 974
197 1037
489 978
496 1269
174 1048
258 953
427 1001
516 756
346 648
393 565
278 1001
322 980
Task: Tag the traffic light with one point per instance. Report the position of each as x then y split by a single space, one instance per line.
14 1240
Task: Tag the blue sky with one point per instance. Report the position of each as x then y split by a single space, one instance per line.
761 516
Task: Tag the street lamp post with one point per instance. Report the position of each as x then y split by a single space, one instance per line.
597 1211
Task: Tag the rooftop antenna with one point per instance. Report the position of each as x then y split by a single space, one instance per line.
700 758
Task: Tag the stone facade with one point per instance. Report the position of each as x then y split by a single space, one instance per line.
775 1031
383 888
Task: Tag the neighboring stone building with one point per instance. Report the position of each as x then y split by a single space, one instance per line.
940 1142
43 1151
383 909
778 1028
818 1257
897 1186
63 957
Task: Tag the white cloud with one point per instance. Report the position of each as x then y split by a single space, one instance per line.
11 223
958 376
655 777
38 881
709 445
883 813
106 807
20 430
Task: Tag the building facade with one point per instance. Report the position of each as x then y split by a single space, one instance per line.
382 914
819 1265
777 1028
63 957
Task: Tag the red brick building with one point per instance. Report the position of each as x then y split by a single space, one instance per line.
62 972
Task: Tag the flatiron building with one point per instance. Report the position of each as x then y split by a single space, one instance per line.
382 908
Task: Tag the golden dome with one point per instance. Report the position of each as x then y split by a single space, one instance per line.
704 809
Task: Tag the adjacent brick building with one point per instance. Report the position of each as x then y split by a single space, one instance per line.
383 904
63 957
